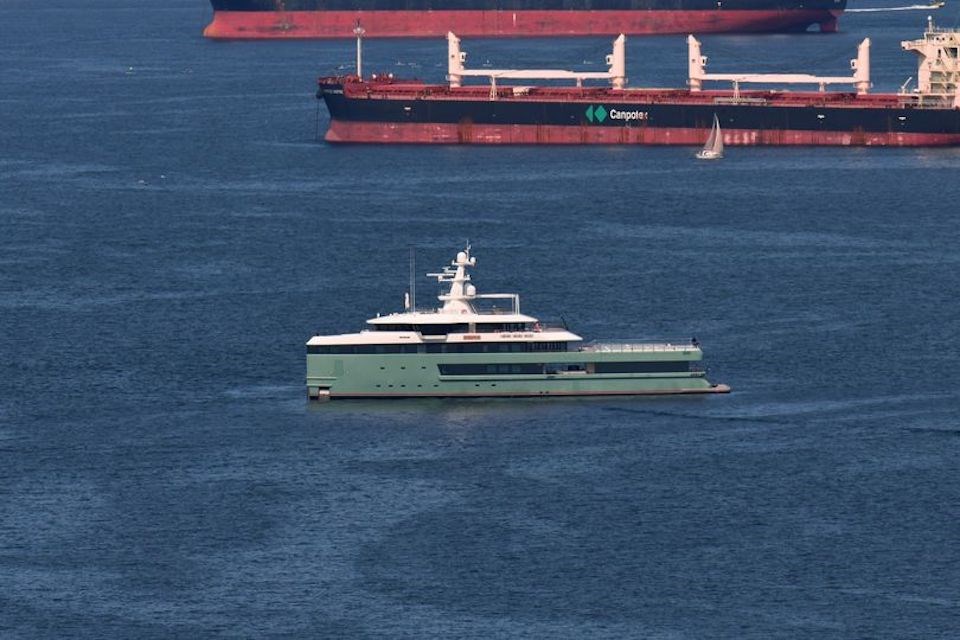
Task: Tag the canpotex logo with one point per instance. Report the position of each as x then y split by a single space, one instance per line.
596 114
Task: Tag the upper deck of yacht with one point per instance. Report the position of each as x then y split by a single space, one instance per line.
462 319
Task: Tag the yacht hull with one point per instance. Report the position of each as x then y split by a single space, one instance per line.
422 375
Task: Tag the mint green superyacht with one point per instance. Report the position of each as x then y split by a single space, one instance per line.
470 347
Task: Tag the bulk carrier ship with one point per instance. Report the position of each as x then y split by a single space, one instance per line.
258 19
383 109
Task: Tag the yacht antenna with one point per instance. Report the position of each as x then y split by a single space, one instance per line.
413 278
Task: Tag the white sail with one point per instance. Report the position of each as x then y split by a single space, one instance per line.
713 149
712 138
717 136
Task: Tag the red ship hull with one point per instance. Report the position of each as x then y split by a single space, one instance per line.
403 133
232 25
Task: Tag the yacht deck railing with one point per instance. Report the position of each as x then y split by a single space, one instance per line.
631 346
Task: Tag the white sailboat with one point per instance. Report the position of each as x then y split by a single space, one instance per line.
713 150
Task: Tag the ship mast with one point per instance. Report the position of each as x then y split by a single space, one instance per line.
359 31
458 299
412 293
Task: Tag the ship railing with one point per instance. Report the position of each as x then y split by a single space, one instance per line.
932 28
633 346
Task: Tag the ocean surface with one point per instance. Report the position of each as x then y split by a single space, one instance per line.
172 230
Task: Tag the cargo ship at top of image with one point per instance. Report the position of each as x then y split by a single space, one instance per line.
512 109
267 19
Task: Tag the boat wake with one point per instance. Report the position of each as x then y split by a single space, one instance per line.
912 7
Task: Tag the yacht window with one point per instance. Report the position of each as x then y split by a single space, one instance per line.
442 329
494 327
361 348
394 327
497 347
489 369
642 367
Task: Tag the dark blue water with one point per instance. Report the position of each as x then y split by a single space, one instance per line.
172 233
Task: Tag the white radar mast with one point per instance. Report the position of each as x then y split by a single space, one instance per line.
458 300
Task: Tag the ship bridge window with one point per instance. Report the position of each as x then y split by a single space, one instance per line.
442 329
394 327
